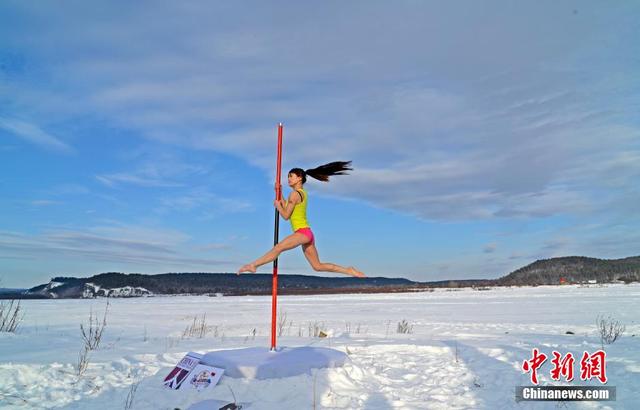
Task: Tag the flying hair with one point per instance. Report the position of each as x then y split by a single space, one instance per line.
323 172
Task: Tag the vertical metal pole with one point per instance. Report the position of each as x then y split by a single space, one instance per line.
276 239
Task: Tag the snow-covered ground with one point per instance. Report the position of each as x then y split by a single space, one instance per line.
465 350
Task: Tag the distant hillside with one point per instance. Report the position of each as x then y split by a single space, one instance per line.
574 269
130 285
570 269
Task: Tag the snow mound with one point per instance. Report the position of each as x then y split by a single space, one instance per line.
210 405
261 363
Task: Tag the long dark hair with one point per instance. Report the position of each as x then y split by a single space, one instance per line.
323 172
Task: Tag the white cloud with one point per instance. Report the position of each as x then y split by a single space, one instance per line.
33 134
207 203
110 246
448 113
112 180
160 169
214 247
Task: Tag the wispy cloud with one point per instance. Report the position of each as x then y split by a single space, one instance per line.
113 180
202 199
44 202
214 247
108 245
161 169
34 134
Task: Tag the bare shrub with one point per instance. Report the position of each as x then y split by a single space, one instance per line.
198 328
282 322
609 329
252 335
357 329
404 327
92 334
83 361
10 316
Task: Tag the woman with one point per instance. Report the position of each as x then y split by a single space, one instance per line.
295 210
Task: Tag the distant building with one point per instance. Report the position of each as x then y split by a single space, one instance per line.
592 281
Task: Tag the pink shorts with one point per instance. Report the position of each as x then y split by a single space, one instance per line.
306 232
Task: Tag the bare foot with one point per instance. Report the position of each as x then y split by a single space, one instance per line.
355 272
249 267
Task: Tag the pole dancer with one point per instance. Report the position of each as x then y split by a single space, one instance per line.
294 209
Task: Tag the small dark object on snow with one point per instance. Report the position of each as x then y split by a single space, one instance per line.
231 406
569 332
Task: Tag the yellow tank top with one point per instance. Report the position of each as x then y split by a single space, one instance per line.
299 216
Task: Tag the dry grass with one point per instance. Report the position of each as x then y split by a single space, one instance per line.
404 327
198 328
11 316
282 323
609 329
92 334
83 361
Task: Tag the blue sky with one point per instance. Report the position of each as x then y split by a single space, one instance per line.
484 135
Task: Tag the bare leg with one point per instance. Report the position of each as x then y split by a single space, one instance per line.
311 253
287 243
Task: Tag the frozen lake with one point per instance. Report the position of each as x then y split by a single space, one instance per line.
465 349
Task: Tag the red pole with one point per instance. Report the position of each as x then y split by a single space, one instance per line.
274 285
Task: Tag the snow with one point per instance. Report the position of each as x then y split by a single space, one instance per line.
49 287
53 285
465 351
92 290
261 363
208 405
127 291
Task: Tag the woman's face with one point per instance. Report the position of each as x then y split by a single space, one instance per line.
293 179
